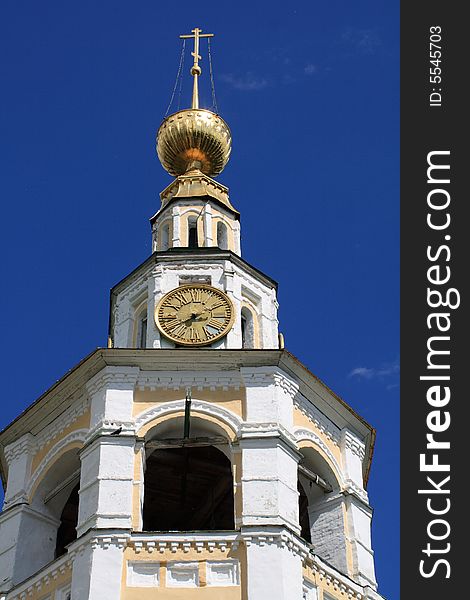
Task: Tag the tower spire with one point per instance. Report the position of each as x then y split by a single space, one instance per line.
196 69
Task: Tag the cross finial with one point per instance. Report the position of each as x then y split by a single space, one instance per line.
196 69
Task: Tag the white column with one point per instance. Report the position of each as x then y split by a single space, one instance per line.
269 480
359 516
107 472
274 570
97 567
359 513
175 212
269 396
17 517
19 456
208 240
236 238
27 543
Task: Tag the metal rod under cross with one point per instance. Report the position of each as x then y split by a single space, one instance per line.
196 69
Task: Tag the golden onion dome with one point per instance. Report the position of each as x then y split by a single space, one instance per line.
194 138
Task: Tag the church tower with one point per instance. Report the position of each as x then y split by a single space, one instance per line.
194 457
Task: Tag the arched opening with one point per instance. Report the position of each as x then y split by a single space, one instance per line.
67 531
304 520
192 232
320 508
188 489
222 235
248 328
165 236
51 524
142 331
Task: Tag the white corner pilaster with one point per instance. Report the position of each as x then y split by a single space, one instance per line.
208 240
269 478
106 483
175 213
352 457
237 238
19 456
111 393
274 566
359 517
269 396
97 567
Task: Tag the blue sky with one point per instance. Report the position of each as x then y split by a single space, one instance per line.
311 93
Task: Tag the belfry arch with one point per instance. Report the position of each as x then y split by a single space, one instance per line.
188 482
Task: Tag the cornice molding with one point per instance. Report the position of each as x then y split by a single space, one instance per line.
177 542
112 377
351 442
24 445
176 380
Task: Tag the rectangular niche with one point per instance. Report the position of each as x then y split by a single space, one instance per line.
223 573
182 574
64 593
310 591
143 574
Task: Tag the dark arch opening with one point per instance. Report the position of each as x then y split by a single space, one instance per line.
192 232
222 236
188 489
67 531
304 520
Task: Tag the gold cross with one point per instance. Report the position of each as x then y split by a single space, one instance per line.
196 69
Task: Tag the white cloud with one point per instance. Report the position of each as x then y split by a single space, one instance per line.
249 82
310 69
386 371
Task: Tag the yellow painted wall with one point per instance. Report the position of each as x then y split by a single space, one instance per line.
233 400
83 422
203 592
300 420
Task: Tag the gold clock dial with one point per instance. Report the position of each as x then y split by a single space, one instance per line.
194 315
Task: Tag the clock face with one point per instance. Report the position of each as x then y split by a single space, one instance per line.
194 315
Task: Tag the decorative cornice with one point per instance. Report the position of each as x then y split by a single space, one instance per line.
114 378
24 445
176 542
266 376
106 427
267 430
34 585
332 578
351 442
321 422
212 380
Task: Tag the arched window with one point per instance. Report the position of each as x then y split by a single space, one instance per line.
192 232
248 328
188 489
318 511
222 238
165 236
53 520
142 331
67 531
304 520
